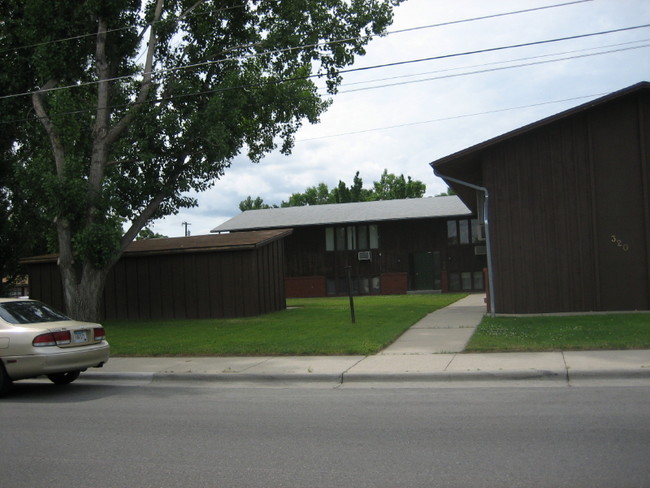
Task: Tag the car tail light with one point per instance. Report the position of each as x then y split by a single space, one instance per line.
99 333
57 338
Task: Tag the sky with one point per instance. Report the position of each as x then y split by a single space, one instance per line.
401 118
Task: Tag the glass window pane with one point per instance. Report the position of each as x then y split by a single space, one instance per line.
352 237
376 284
364 285
454 281
374 236
340 238
464 231
478 280
466 279
362 235
475 231
452 232
331 286
329 239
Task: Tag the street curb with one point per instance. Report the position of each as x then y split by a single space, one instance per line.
216 377
356 378
455 376
609 374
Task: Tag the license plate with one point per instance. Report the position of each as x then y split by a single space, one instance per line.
80 336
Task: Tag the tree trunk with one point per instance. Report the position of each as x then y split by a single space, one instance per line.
84 296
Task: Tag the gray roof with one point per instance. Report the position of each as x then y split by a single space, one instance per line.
346 213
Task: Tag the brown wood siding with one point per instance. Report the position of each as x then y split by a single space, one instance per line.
561 199
189 285
398 241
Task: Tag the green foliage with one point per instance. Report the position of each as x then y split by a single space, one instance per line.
450 191
97 244
389 187
315 326
250 204
147 233
145 101
392 187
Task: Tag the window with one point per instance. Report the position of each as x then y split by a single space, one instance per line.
329 239
463 225
340 238
466 280
462 232
363 237
352 237
452 233
476 232
374 236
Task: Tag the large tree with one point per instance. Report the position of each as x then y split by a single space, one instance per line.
119 107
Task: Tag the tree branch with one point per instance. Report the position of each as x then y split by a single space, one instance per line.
53 134
145 87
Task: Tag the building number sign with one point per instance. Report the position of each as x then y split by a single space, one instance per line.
619 243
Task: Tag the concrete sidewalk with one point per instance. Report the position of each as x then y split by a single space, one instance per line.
427 353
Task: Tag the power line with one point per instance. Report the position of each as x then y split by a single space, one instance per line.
217 90
446 119
489 70
346 84
223 9
495 49
279 51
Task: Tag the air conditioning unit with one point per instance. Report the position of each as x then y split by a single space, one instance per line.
364 256
480 250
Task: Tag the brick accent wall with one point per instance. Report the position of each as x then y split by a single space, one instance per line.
394 283
305 286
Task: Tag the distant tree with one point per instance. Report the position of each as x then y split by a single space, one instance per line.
450 191
250 204
147 233
355 193
392 187
314 195
389 187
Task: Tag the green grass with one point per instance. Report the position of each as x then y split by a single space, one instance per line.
559 333
320 326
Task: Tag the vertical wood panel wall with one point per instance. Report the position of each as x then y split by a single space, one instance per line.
570 209
190 285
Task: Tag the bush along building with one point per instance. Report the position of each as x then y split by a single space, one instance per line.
387 247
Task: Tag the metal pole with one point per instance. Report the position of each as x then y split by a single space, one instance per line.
348 271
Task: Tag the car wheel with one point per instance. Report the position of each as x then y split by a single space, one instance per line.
64 378
5 381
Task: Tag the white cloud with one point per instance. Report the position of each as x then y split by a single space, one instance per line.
409 149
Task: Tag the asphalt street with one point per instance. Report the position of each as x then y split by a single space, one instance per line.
112 435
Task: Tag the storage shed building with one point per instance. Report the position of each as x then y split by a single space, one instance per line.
211 276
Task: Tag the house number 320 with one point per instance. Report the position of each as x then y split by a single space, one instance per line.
619 243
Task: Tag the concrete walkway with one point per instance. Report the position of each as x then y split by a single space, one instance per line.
426 354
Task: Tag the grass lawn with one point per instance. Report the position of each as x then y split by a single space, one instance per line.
319 326
557 333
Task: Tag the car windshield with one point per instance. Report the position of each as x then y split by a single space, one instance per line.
29 312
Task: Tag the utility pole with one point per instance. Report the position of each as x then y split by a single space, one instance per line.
187 232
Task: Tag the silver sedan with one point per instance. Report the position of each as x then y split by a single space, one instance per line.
36 340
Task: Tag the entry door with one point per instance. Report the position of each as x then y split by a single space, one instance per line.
426 270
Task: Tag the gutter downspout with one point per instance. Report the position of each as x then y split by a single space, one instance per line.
488 243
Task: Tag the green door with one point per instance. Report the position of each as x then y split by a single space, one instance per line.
426 270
